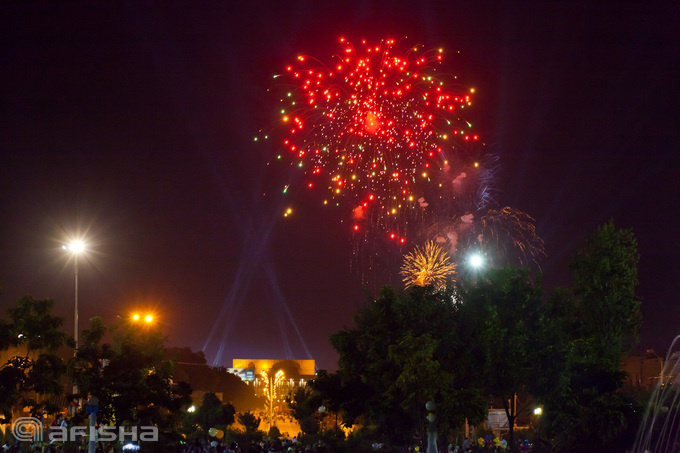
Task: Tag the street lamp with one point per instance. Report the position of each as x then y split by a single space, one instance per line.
322 411
431 407
148 318
76 248
476 260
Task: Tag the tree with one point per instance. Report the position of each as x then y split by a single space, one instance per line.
251 425
329 392
250 422
501 317
495 336
605 278
304 404
274 433
129 376
404 350
192 368
598 321
212 412
34 368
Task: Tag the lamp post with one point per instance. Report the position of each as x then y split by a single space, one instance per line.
322 411
431 407
76 248
92 409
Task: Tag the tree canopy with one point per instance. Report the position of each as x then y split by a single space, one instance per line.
128 375
404 351
594 324
32 368
492 336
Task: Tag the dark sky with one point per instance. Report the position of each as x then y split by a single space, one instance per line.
133 123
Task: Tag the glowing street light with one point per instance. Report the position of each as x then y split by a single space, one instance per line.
147 318
476 261
76 248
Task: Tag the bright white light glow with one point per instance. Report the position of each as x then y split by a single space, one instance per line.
75 247
476 261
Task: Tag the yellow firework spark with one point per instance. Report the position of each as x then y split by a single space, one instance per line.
429 266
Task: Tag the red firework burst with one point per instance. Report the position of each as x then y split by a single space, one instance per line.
378 127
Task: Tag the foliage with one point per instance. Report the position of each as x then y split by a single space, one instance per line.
493 337
35 325
605 278
274 432
251 432
304 404
33 369
212 412
502 317
128 376
192 368
250 422
404 350
597 322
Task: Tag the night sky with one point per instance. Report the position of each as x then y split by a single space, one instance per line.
133 124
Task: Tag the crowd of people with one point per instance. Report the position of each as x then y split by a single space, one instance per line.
283 445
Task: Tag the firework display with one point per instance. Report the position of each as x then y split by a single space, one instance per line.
429 266
379 128
504 236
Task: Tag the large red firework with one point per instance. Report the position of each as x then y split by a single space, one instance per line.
382 131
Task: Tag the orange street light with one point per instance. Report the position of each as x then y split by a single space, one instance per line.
148 318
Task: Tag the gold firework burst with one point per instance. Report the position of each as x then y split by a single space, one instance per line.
429 266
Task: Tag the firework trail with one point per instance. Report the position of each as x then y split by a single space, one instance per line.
505 236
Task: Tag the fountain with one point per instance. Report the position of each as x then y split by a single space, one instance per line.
660 428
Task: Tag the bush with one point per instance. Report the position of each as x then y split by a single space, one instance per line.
274 433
